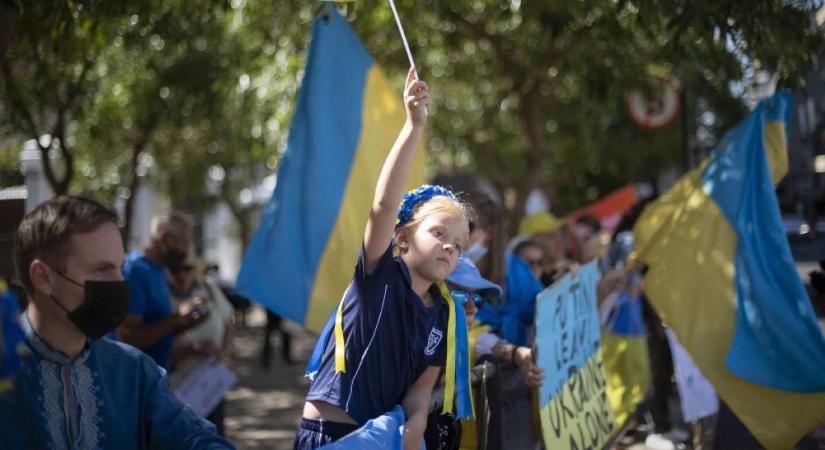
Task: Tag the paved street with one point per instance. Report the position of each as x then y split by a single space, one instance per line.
264 408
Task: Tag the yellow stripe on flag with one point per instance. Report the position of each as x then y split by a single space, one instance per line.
382 118
684 232
627 372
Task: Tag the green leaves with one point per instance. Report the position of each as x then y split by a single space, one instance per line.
527 94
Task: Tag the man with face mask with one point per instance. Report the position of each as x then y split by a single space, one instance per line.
152 322
74 388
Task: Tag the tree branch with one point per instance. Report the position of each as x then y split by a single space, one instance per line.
134 180
17 101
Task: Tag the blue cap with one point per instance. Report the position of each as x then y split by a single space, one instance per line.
466 275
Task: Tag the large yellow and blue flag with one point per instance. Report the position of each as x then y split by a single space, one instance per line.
303 253
722 276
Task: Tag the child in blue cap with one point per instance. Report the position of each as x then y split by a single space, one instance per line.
469 289
386 343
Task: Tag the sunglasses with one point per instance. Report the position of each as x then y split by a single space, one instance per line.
464 297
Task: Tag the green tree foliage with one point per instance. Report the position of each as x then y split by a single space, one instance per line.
49 76
196 96
529 94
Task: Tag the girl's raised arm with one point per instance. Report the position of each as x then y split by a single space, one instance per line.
394 173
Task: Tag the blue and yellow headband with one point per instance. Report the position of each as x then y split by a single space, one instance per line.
419 195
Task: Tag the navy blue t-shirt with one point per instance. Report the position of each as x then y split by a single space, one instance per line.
391 338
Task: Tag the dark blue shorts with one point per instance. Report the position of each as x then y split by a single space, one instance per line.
315 433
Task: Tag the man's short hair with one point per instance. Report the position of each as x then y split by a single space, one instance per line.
44 232
173 223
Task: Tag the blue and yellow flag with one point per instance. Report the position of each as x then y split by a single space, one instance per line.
625 356
721 275
303 254
385 432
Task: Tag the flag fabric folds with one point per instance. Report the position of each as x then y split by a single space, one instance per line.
625 356
722 277
303 254
385 432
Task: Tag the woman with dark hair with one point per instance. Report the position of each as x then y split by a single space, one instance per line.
486 246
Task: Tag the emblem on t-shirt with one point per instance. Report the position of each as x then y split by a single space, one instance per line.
433 341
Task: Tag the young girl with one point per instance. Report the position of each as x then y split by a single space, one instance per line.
391 327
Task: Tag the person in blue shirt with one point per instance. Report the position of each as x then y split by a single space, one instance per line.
152 322
75 388
393 318
11 336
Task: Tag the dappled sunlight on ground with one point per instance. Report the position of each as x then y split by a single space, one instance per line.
264 408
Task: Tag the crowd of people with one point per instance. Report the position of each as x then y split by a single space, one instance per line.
107 336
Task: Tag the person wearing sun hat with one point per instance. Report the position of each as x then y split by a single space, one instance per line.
466 278
541 222
468 288
549 232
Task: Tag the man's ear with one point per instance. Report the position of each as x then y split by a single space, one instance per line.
41 276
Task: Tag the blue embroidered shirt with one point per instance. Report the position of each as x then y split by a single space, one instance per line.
391 338
111 396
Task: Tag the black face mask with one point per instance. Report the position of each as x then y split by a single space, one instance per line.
105 306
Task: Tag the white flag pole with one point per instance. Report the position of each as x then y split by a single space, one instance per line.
406 44
403 36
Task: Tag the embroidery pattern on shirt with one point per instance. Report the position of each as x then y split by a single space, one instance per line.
87 398
53 414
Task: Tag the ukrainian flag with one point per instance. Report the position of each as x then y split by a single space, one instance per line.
721 275
385 432
625 356
303 254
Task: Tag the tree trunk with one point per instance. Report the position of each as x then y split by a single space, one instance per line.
535 155
245 229
8 18
241 216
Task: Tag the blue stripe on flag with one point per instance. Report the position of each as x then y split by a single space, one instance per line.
776 340
280 265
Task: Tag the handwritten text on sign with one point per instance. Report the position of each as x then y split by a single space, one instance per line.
575 412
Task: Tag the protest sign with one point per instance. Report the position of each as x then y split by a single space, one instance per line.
574 409
206 387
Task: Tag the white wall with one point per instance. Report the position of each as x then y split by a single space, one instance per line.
37 186
221 242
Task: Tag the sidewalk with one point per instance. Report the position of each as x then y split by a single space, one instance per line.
264 408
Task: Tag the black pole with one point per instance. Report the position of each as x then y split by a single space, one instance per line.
687 154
